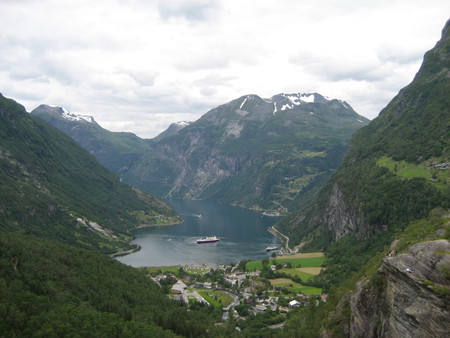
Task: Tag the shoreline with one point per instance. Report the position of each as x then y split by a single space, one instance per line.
138 248
283 238
142 226
127 252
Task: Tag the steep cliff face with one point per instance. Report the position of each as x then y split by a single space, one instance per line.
340 218
254 152
410 298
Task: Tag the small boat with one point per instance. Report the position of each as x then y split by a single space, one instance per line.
211 239
271 248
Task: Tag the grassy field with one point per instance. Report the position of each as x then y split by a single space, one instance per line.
216 298
295 287
439 178
314 261
300 273
303 255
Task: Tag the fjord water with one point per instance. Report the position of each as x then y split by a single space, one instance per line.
243 235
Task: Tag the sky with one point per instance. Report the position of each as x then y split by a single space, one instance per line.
139 65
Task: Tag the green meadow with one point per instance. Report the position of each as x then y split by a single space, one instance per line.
406 170
294 287
216 298
307 262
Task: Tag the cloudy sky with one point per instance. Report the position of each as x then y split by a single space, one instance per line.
139 65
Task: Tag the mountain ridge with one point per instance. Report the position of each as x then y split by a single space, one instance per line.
115 150
218 154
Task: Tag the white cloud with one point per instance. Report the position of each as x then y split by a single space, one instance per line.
196 10
139 65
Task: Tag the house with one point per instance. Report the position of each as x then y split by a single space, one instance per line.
235 278
205 285
283 309
260 307
255 273
294 303
178 287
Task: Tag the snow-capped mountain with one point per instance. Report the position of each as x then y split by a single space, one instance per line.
115 150
74 117
253 152
63 113
172 130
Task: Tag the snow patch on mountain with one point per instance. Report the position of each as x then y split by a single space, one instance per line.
182 123
286 106
75 117
243 102
298 99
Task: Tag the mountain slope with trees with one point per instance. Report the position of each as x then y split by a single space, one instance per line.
53 188
396 169
383 220
115 150
55 290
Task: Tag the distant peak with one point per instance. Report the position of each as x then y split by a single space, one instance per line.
300 98
62 113
65 114
182 123
289 101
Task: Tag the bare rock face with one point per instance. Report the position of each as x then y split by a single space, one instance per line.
340 218
409 297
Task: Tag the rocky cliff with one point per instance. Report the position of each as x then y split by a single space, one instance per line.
410 297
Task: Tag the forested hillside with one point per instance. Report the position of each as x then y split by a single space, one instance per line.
53 188
48 289
383 219
117 151
397 167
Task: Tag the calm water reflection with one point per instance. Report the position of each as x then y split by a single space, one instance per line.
243 235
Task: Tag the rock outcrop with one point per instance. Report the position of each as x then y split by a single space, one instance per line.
340 218
409 297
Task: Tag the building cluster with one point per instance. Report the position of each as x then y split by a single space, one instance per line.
246 288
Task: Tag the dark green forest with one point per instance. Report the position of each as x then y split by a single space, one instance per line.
48 182
49 289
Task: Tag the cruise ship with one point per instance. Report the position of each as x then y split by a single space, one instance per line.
211 239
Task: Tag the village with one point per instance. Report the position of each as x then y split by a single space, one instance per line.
277 285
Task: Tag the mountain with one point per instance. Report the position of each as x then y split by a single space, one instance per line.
396 169
172 130
53 188
383 219
258 153
115 150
